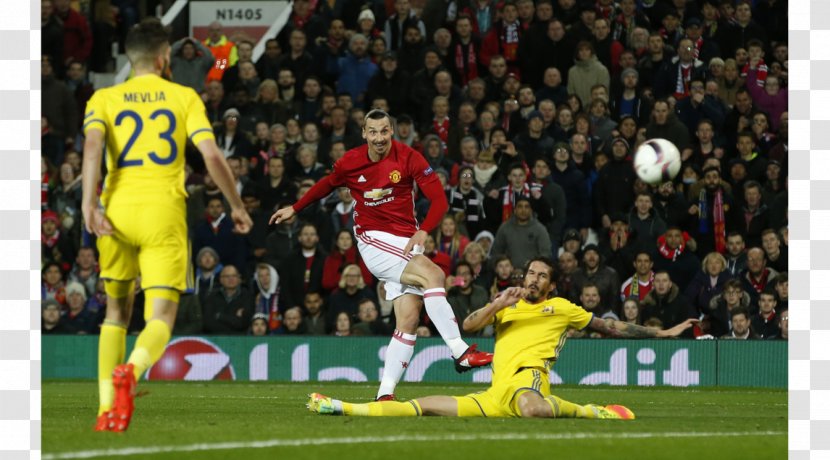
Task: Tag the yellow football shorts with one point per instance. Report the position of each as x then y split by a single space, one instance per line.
147 240
501 400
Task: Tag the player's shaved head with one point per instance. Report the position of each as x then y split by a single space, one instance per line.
145 42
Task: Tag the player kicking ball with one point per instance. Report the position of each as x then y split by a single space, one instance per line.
381 176
530 332
140 218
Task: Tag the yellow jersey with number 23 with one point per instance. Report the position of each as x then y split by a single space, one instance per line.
146 121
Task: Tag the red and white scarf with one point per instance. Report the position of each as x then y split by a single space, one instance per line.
510 199
761 72
467 69
760 283
442 129
669 253
684 75
50 241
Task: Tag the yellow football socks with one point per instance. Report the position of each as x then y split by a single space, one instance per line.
112 346
566 409
149 346
383 409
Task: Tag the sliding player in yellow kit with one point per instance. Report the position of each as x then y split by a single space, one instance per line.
140 222
530 333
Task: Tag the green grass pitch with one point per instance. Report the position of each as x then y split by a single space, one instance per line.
242 420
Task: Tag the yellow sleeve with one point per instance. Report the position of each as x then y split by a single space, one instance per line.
498 316
197 124
95 115
579 317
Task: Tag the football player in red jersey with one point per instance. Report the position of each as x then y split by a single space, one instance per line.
381 176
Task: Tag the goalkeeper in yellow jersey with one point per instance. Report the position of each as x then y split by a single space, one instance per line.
140 216
530 332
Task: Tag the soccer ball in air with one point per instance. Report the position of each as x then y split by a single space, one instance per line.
657 161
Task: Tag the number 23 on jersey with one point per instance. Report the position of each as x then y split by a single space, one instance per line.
127 117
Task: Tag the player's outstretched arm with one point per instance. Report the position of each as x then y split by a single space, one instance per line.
221 173
485 315
317 192
621 329
94 219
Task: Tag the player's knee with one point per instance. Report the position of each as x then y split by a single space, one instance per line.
534 410
161 304
408 323
435 276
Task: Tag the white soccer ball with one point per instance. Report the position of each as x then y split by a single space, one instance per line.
657 161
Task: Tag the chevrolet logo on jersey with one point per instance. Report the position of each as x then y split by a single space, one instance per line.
377 193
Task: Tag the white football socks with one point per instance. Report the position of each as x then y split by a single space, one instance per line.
398 354
441 314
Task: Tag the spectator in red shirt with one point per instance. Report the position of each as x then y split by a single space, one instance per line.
77 36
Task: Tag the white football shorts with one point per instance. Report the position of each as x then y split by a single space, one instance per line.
383 255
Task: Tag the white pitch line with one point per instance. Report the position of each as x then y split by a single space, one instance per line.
128 451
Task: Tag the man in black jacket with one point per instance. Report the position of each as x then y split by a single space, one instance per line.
390 83
228 310
614 192
302 271
666 303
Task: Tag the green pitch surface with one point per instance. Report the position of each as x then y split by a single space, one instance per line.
269 420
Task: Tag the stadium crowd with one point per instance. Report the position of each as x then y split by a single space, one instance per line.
529 112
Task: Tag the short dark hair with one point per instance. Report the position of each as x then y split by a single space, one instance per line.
500 258
554 267
733 284
145 41
746 133
214 198
516 165
590 284
312 293
752 184
734 233
464 263
250 191
754 42
768 291
739 311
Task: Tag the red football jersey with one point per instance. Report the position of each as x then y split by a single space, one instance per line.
384 191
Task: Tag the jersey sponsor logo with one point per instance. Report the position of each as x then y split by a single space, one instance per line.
361 178
377 193
395 176
428 171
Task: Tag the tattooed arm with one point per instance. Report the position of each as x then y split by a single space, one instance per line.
485 315
623 330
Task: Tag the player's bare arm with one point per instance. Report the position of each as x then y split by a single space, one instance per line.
222 175
319 191
94 219
621 329
485 315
